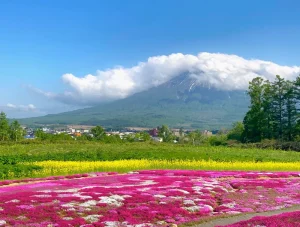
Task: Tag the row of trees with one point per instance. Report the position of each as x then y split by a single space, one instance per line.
97 134
12 131
274 111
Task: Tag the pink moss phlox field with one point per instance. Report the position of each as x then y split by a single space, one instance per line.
144 198
291 219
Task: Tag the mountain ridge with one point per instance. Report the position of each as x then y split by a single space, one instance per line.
180 102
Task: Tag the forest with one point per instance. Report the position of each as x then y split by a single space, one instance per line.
274 110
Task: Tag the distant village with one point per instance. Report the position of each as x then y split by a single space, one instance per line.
80 130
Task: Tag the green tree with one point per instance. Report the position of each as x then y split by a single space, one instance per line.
253 121
218 140
290 110
131 137
165 133
98 132
39 134
268 111
181 132
144 136
84 137
196 137
297 88
4 127
236 132
113 139
192 137
61 137
279 87
297 93
16 131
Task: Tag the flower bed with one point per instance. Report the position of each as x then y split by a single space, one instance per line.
290 219
144 198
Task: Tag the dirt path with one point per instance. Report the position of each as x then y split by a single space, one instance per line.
244 217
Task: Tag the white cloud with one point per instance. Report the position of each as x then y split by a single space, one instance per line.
222 71
21 108
9 105
21 111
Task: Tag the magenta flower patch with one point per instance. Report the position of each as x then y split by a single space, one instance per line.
290 219
144 198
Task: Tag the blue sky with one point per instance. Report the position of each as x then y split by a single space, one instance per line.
40 41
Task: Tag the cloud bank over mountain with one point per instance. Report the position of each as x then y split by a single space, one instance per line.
222 71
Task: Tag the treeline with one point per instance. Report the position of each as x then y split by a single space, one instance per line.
10 132
274 112
97 134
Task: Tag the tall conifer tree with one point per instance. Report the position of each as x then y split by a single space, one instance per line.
4 127
254 118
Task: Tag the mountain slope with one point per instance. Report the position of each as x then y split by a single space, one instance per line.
180 102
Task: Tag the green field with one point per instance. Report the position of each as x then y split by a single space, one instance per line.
22 160
94 151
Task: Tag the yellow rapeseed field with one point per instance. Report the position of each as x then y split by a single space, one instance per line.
122 166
